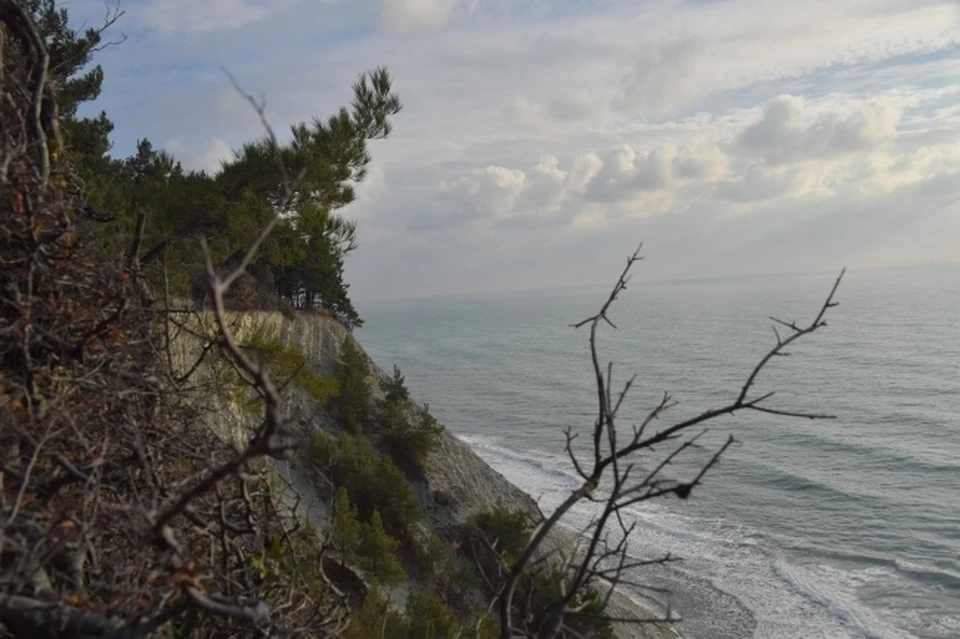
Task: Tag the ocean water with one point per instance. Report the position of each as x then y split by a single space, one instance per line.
840 528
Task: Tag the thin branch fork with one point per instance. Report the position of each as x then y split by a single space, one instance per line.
624 493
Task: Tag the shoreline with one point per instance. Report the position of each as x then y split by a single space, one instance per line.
622 605
468 484
459 482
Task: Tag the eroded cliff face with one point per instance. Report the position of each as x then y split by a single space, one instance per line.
456 481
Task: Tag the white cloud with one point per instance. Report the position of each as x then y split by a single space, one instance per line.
786 132
662 77
584 169
525 112
201 16
597 123
554 192
760 183
490 191
562 109
207 157
545 184
412 15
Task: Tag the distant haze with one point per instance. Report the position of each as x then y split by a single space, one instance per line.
541 140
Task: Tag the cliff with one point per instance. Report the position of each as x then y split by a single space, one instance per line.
456 482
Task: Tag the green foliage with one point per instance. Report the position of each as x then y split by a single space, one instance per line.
301 263
75 83
429 617
288 365
397 393
69 53
426 616
346 529
509 531
304 257
408 442
373 482
353 374
375 618
278 563
378 553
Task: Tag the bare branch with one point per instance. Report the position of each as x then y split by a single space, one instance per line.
599 560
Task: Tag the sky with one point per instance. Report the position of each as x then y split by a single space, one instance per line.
542 140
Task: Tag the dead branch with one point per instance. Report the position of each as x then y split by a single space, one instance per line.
611 466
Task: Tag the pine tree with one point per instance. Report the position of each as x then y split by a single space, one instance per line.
378 553
375 618
397 392
305 264
346 528
70 54
429 616
353 373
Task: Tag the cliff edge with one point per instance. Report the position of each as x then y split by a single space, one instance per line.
456 482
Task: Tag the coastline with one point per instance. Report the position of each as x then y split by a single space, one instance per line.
462 483
457 481
621 605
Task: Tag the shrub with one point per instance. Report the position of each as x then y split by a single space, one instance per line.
288 365
372 481
375 618
509 531
408 442
353 373
378 553
397 392
346 528
429 617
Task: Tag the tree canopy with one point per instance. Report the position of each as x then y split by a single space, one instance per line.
304 180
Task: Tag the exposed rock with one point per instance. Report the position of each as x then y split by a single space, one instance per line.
456 482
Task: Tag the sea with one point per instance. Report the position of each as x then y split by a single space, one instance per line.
848 527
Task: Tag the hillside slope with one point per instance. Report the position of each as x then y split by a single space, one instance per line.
456 482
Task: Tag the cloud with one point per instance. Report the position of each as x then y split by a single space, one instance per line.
760 183
663 76
412 15
201 16
565 109
524 112
579 106
581 125
584 169
207 157
490 191
663 167
554 192
786 131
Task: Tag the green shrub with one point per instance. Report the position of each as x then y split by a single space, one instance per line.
408 442
509 531
372 481
353 374
429 617
378 553
346 528
375 618
397 392
288 365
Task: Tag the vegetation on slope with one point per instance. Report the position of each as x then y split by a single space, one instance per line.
122 515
